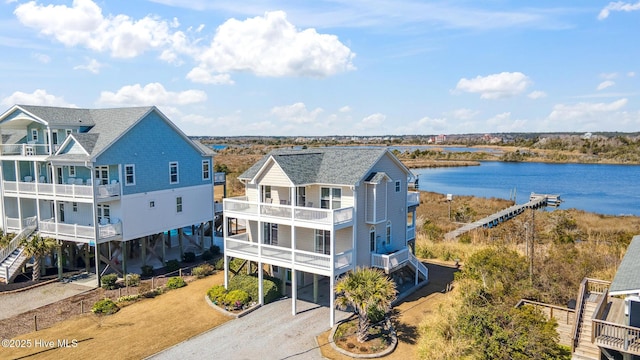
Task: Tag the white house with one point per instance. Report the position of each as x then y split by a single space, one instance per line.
320 212
107 180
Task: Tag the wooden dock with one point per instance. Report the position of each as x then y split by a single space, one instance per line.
536 201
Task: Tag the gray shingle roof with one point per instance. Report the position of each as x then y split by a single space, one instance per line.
334 165
627 279
58 116
204 148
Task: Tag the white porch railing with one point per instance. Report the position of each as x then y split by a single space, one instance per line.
82 232
238 245
388 262
29 226
241 206
24 149
64 190
413 198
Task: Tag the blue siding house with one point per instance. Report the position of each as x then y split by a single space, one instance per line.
112 181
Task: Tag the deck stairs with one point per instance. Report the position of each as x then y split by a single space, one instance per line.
591 293
13 257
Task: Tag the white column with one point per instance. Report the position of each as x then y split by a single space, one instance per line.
17 168
294 291
332 264
260 285
332 306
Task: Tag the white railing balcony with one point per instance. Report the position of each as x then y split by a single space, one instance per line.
239 206
24 149
239 246
80 232
388 262
413 198
63 190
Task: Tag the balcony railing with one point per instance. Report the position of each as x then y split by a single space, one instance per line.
24 149
80 232
64 190
388 262
413 198
238 245
242 206
617 337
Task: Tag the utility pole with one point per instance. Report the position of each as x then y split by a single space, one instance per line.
532 241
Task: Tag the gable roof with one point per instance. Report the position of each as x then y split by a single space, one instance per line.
332 165
106 126
627 279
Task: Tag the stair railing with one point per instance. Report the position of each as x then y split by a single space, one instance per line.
30 226
582 292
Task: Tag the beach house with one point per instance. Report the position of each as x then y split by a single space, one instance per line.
108 184
311 215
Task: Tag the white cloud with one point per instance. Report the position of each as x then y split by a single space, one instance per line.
503 123
631 74
43 58
428 124
372 122
584 110
92 66
464 114
296 113
496 86
270 45
617 6
38 97
150 94
345 109
200 75
605 84
83 24
537 94
609 76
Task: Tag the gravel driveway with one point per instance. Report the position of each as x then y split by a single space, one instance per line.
270 332
23 301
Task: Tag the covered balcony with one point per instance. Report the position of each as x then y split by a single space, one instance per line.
80 233
239 246
24 149
241 207
76 189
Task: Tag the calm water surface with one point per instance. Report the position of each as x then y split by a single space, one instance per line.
603 189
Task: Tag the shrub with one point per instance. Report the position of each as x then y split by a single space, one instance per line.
175 283
236 299
220 264
189 257
206 255
217 294
132 279
109 281
215 250
172 265
248 283
147 270
202 271
127 298
105 307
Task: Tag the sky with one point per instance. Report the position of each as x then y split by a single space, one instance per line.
332 67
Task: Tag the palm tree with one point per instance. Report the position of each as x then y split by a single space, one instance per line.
37 246
364 290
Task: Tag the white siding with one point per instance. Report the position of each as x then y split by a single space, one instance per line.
163 215
274 176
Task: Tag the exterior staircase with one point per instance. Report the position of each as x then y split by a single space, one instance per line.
12 258
585 348
590 295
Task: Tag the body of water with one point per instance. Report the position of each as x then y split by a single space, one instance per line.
603 189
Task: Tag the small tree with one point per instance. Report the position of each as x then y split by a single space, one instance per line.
37 246
364 290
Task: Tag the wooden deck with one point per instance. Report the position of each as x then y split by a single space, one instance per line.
565 318
536 201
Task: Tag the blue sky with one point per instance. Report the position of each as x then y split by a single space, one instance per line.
336 67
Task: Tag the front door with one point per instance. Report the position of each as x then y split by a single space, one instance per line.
102 175
59 175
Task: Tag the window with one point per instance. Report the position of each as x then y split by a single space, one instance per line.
102 175
129 174
104 214
173 173
397 186
266 192
330 198
270 234
323 242
72 171
372 239
302 195
68 132
34 135
388 237
152 204
75 207
178 204
206 175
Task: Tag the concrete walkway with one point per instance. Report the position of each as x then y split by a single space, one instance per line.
270 332
22 301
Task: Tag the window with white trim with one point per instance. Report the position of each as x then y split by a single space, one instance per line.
270 234
129 174
206 174
323 241
72 171
152 204
397 186
75 207
34 135
68 132
179 204
173 173
388 235
372 239
330 198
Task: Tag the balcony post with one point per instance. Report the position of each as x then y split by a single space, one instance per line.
260 285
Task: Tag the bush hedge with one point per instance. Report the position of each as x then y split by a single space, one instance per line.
105 307
189 257
175 283
237 299
147 270
203 271
132 279
217 294
109 281
249 283
172 265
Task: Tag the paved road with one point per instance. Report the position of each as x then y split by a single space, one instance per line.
270 332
